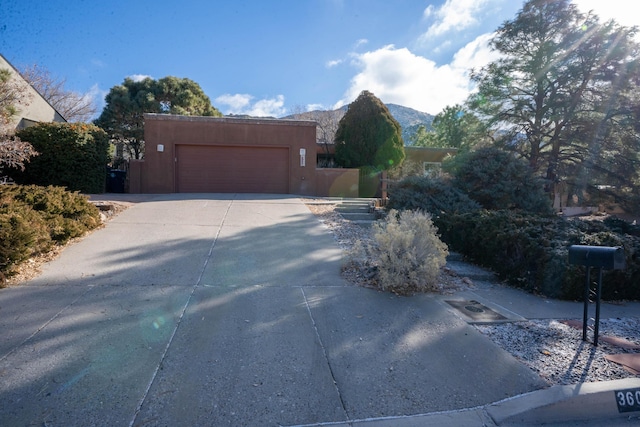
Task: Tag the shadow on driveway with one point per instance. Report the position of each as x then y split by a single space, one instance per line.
207 310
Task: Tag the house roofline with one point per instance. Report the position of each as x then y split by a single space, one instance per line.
226 119
34 89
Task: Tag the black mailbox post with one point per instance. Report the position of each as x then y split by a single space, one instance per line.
602 258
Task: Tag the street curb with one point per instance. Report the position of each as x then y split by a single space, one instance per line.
557 404
577 402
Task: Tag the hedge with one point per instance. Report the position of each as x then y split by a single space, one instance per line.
71 155
530 251
433 195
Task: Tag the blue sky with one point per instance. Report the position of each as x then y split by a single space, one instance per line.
269 57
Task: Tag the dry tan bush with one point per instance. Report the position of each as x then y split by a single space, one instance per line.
408 252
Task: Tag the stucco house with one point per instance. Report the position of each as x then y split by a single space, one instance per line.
192 154
38 110
426 159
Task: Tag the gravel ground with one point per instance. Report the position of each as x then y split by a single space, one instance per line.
357 270
557 353
552 349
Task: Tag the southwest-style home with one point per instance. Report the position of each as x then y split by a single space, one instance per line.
191 154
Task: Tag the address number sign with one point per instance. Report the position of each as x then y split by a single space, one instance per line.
628 400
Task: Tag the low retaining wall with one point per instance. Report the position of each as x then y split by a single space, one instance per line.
334 182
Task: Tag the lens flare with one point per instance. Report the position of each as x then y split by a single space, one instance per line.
158 322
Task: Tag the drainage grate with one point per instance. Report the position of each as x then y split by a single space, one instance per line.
474 308
476 311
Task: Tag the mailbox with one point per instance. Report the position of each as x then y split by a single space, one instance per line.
605 257
602 258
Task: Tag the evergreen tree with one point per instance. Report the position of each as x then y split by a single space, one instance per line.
453 127
563 95
369 136
123 116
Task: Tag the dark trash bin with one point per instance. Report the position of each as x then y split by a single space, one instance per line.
115 181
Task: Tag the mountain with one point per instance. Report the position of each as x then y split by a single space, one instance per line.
408 118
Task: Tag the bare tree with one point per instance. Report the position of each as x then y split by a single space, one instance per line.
13 97
327 124
14 153
73 106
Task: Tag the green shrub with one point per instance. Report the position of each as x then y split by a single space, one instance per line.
407 252
518 237
531 251
23 233
433 195
498 180
33 219
621 226
72 155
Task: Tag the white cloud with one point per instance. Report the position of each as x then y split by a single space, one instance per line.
429 11
139 77
619 10
475 54
235 102
314 107
97 96
245 104
360 42
453 15
273 107
399 76
356 45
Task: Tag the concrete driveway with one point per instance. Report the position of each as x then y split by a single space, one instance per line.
210 310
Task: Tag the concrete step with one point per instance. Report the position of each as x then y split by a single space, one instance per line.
356 216
354 209
358 202
359 216
357 211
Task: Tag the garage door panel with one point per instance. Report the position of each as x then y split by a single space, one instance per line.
228 169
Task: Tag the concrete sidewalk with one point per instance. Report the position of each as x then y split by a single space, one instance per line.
198 310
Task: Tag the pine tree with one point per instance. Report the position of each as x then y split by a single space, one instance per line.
369 136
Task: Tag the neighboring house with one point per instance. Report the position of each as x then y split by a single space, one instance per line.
38 110
427 159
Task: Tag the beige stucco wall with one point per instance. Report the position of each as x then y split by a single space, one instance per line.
38 110
428 154
335 182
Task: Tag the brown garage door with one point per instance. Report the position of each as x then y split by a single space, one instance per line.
224 169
